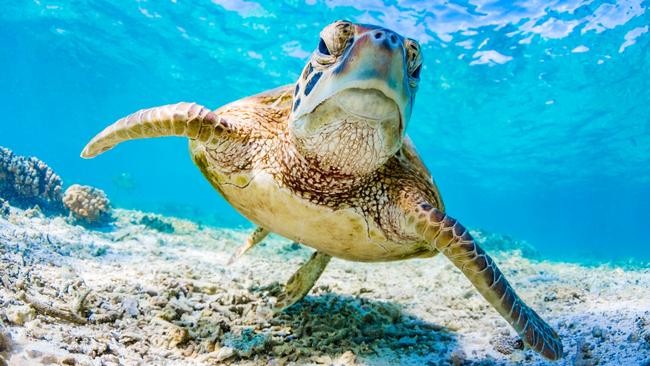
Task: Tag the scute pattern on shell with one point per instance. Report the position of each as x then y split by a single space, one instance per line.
87 205
27 181
263 142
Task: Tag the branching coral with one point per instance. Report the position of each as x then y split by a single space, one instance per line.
29 181
87 205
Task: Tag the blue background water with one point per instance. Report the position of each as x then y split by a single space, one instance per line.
534 117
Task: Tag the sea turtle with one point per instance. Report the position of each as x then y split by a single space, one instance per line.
326 162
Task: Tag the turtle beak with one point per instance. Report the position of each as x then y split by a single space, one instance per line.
377 54
376 60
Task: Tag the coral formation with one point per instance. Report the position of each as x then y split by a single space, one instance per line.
87 205
26 182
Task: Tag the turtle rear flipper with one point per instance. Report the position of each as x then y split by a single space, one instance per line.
181 119
255 237
449 237
302 281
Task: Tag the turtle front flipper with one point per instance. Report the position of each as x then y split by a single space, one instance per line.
302 281
181 119
448 236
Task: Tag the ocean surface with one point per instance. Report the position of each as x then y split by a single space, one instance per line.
533 116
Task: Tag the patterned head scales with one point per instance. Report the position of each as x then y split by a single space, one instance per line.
359 83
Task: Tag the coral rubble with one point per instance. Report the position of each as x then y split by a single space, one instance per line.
186 306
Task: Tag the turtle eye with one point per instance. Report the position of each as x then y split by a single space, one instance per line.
334 40
413 59
322 48
415 74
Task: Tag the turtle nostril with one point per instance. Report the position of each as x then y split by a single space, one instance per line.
378 35
393 38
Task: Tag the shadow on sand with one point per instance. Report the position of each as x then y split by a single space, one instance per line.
377 332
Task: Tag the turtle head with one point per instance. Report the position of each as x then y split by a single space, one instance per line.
354 97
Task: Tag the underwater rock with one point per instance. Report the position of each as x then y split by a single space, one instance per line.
130 306
5 208
5 345
49 360
347 358
498 242
68 360
458 357
26 182
5 340
221 355
246 342
87 205
20 314
597 332
584 355
34 212
506 344
156 223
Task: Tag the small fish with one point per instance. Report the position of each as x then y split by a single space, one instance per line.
124 181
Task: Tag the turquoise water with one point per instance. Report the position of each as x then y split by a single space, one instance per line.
534 117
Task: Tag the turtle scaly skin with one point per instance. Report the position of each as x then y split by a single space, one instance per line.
326 162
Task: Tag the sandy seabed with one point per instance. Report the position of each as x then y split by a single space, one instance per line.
152 290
